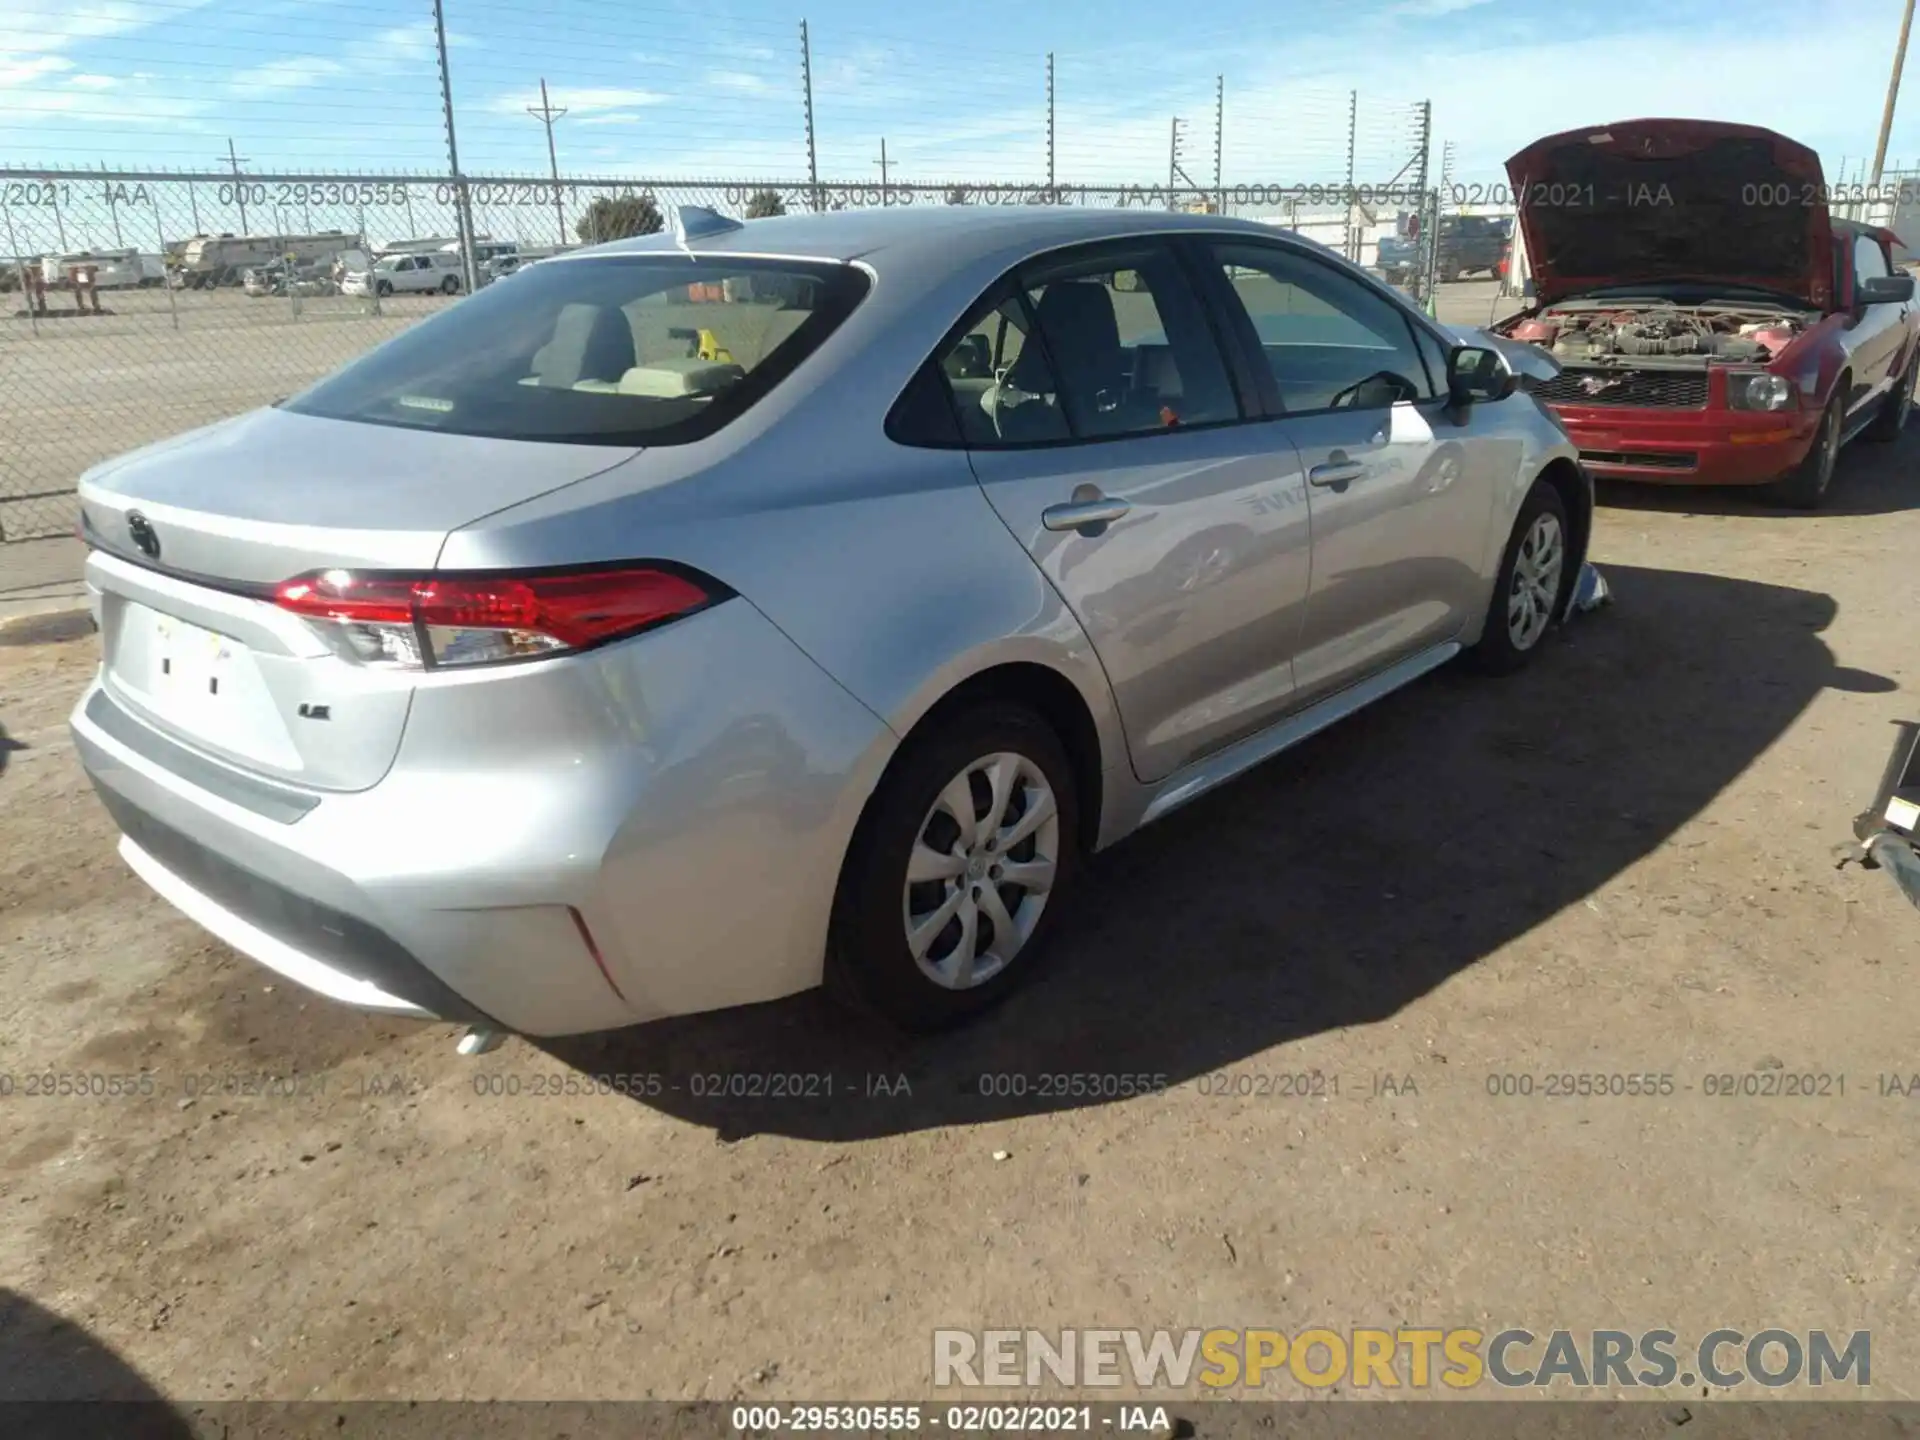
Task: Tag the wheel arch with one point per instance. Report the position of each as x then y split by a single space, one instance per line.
1046 691
1576 494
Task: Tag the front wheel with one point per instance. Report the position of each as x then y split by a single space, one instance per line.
383 287
1807 485
1532 588
450 286
1891 418
959 870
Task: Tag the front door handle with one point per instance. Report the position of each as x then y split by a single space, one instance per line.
1336 473
1084 515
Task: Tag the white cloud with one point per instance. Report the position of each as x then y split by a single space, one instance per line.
92 82
85 107
277 76
36 27
744 81
1429 9
584 102
25 72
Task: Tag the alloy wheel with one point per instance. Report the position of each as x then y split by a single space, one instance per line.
1537 570
1829 443
981 871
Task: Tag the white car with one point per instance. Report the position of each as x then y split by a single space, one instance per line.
406 274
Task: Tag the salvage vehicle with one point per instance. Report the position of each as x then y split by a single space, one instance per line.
539 673
1716 325
410 274
1465 245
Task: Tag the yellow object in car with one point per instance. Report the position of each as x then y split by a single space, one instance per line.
710 348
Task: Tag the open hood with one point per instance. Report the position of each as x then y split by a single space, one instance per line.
1668 200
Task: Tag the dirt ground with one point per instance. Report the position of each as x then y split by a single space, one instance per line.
1620 861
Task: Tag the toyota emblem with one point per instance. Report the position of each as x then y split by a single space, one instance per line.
142 532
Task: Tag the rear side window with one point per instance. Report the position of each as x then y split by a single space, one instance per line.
615 350
1132 350
1091 345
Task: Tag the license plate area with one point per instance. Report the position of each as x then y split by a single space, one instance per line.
199 683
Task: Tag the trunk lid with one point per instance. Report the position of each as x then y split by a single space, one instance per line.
1658 201
190 537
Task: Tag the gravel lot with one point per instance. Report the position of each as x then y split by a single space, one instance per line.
1622 861
76 390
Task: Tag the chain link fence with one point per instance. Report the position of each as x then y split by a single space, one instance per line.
137 305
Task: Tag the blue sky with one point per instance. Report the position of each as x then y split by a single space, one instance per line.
681 89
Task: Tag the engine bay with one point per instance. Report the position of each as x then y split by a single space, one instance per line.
1663 334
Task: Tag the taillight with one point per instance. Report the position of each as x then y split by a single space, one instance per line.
416 621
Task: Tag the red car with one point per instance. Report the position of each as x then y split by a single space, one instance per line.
1715 325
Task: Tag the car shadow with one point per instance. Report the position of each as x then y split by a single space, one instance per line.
56 1379
1869 479
1329 888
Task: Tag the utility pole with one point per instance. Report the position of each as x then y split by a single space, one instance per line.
1353 132
239 187
546 115
463 210
885 194
1219 142
1893 93
1050 126
806 88
1429 210
1173 163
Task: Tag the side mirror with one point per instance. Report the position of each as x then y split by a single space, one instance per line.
1476 374
1884 290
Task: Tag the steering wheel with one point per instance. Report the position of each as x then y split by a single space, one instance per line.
1349 398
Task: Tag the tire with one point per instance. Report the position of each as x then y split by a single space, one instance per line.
871 961
1891 418
1531 592
450 286
383 287
1808 484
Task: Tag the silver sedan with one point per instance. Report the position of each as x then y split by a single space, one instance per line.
712 615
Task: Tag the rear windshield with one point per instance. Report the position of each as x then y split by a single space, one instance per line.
611 350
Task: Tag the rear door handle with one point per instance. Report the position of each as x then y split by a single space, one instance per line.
1082 514
1336 472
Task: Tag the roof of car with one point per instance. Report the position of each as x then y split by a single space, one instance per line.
960 232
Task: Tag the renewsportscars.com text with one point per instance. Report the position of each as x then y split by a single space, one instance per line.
1400 1357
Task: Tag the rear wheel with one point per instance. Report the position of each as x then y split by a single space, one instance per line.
958 874
383 287
1808 484
450 285
1532 588
1891 418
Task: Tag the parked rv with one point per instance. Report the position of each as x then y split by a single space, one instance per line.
210 260
112 269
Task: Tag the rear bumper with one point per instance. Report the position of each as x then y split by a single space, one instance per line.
686 795
1688 447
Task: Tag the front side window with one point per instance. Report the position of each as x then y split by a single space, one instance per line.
1869 261
1331 342
1092 346
619 350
